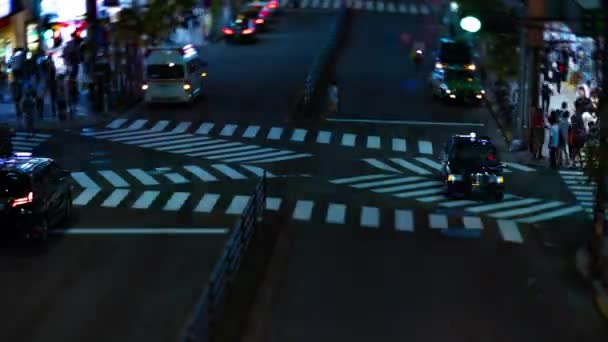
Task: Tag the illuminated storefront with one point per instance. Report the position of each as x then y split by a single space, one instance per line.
12 30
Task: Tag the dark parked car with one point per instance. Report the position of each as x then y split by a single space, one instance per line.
240 31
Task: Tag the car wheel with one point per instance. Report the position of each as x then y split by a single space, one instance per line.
67 215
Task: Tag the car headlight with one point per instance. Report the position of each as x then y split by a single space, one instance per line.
454 178
500 179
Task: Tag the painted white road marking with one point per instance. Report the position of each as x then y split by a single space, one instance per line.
303 210
237 205
425 147
160 126
404 220
115 198
348 139
113 178
200 173
438 221
84 180
380 165
86 196
399 145
146 199
472 222
275 133
176 201
407 165
299 135
370 217
116 123
176 178
207 203
273 203
228 171
142 176
205 128
373 142
336 213
323 137
228 130
509 231
251 132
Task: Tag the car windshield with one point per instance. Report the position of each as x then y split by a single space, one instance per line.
165 71
457 75
474 152
456 53
13 184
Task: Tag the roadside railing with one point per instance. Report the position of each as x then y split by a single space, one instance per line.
210 304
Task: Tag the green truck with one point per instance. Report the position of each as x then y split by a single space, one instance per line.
457 84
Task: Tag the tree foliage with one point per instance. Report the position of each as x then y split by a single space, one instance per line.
153 23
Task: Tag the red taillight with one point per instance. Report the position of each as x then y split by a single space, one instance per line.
273 5
24 200
227 31
248 31
259 21
490 158
263 14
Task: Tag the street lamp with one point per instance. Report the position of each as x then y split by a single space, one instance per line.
454 6
470 24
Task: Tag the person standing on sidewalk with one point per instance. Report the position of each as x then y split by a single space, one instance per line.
547 92
557 77
564 127
582 103
554 140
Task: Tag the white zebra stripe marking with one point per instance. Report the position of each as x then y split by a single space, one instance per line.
402 8
303 210
348 139
205 128
138 124
228 171
323 137
228 130
399 145
146 199
425 147
116 123
273 203
380 165
200 173
113 178
370 217
299 135
176 178
86 196
182 127
407 165
115 198
336 213
425 192
430 163
509 231
176 201
237 205
276 159
373 142
551 214
359 178
142 176
411 187
275 133
256 158
503 205
472 222
519 167
385 182
523 211
413 9
404 220
207 203
84 180
438 221
251 132
159 126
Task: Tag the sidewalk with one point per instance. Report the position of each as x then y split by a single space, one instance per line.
600 291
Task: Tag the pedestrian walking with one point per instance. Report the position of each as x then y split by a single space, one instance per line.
557 77
17 90
554 140
582 103
28 105
564 127
40 93
547 92
577 138
62 98
334 97
51 80
537 133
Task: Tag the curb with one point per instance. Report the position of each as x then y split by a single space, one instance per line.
600 297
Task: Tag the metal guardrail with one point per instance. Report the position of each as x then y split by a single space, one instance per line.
210 303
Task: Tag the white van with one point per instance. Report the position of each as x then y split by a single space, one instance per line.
173 75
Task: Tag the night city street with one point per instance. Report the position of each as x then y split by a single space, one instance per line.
378 250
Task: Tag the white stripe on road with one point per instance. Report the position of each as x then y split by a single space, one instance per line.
176 178
245 153
503 205
509 231
425 192
380 6
304 3
228 130
115 198
171 144
424 9
369 5
438 221
201 151
221 153
348 139
405 122
197 146
116 123
275 133
425 147
200 173
142 176
380 165
299 135
159 126
138 124
146 199
276 159
228 171
404 220
337 4
273 203
431 199
84 180
527 210
472 222
176 201
399 145
359 178
407 165
358 4
402 8
326 3
336 213
205 128
457 203
251 132
373 142
237 205
113 178
258 171
551 214
182 127
253 159
439 186
303 210
141 231
207 203
370 217
380 183
430 163
519 167
154 137
323 137
391 8
86 196
413 9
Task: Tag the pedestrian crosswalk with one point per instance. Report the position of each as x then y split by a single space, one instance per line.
24 142
144 132
177 141
583 190
432 191
425 166
397 7
166 175
303 211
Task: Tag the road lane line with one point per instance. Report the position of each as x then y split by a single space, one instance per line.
424 9
390 7
146 199
275 133
413 9
336 213
159 136
200 173
141 136
509 231
404 220
237 205
323 137
86 196
373 142
200 150
228 171
84 180
205 128
115 198
369 5
251 132
113 178
176 178
303 210
438 221
380 165
370 217
411 167
299 135
399 145
207 203
182 127
402 8
439 185
142 176
337 4
176 201
196 147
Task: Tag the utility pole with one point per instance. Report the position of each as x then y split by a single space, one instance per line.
520 120
536 10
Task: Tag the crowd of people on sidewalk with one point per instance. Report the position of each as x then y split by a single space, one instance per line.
569 130
34 76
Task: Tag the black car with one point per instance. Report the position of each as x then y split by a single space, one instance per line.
471 166
240 30
257 14
35 195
